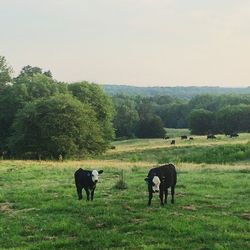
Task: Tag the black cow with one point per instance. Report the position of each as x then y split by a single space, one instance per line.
172 142
159 179
184 137
233 135
86 179
211 136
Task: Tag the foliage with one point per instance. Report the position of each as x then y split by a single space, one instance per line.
94 96
176 113
180 92
126 117
5 72
43 130
201 122
56 125
236 118
151 127
15 96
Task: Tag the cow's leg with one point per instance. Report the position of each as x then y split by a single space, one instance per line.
166 196
172 193
92 193
161 196
87 193
150 196
79 192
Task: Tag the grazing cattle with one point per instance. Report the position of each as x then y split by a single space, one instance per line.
166 137
172 142
191 138
86 179
159 179
184 137
211 136
234 135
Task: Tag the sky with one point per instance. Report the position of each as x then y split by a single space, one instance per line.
133 42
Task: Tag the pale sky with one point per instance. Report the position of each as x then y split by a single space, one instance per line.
134 42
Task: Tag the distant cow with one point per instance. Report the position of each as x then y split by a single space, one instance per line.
86 179
166 137
184 137
233 135
211 136
172 142
191 138
159 179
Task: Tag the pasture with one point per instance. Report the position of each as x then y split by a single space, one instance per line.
39 207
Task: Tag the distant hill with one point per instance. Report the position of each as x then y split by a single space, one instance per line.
179 92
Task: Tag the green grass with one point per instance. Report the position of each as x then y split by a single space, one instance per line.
173 132
39 209
197 154
200 150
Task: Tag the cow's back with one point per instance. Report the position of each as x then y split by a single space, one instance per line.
81 177
168 173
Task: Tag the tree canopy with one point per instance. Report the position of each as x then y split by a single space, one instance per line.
43 118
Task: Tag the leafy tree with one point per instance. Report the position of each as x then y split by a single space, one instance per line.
174 115
126 119
5 72
93 95
56 125
24 89
151 127
29 71
201 121
235 118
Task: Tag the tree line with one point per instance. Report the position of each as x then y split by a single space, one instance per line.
137 116
180 92
41 118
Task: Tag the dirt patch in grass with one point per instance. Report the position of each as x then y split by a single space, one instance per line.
6 207
245 216
190 208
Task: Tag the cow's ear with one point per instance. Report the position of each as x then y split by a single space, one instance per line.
100 171
146 179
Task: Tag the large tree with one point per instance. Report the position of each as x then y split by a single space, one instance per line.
93 95
14 96
234 118
56 125
201 121
126 117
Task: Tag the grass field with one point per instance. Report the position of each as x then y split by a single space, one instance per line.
39 207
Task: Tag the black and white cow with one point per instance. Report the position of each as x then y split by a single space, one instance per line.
159 179
86 179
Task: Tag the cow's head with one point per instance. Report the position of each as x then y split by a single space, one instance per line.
95 175
154 183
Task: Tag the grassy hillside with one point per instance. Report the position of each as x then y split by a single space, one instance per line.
199 150
39 207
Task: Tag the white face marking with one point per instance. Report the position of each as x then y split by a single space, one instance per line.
157 182
95 176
